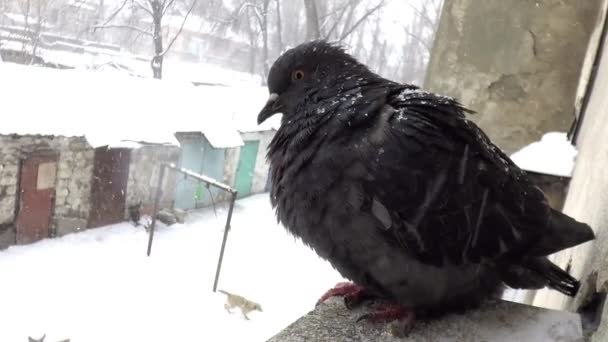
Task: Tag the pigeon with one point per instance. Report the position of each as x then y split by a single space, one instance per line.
405 196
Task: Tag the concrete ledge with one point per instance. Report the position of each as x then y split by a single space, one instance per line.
497 321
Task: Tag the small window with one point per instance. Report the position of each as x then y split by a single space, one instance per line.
46 176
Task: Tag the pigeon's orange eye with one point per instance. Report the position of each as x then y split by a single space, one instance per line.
297 75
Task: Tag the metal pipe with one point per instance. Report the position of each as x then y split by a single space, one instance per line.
159 192
226 230
202 178
209 181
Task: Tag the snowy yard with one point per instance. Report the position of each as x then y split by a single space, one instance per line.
99 285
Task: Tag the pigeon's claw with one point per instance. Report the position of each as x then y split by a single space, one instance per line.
353 294
388 312
403 319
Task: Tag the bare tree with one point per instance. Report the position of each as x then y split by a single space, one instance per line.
279 26
348 30
35 14
263 22
312 20
256 17
420 33
246 18
156 11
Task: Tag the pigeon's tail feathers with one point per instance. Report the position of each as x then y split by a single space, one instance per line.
563 232
556 278
519 276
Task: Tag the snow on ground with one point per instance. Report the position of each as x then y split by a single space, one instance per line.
98 285
553 154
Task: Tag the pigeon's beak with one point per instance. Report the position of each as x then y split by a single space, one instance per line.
272 107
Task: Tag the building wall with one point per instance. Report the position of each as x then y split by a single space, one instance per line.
191 158
213 166
72 188
518 71
72 199
144 171
261 164
587 201
198 155
231 161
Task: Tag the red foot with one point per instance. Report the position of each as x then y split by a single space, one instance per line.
353 294
388 312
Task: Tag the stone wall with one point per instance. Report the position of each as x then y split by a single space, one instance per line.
72 188
143 176
587 201
518 71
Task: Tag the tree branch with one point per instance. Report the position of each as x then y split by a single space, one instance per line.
422 14
134 28
256 11
113 15
362 19
180 29
168 5
142 7
437 7
336 22
420 40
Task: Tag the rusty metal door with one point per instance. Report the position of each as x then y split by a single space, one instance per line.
109 186
36 198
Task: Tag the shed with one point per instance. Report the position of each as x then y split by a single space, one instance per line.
236 155
44 186
205 154
82 146
250 168
236 158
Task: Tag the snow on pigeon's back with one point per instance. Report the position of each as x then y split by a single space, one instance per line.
111 108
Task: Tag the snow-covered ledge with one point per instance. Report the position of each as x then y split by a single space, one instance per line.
498 321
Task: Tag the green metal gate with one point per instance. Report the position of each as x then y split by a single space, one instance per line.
246 168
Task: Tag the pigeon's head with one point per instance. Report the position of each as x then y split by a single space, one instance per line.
312 69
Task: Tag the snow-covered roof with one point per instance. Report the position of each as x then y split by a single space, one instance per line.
553 155
242 103
108 108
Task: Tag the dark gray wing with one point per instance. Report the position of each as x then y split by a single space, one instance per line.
444 192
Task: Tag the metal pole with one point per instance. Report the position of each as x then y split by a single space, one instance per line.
226 230
159 192
202 178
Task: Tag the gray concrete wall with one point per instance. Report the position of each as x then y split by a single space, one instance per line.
587 201
72 188
515 62
143 176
